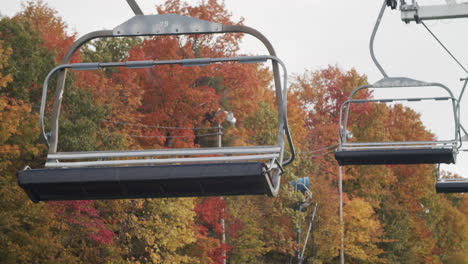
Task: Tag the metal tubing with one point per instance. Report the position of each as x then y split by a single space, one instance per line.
54 125
399 143
463 90
301 257
158 161
61 69
342 231
390 100
283 127
398 147
344 125
345 106
164 152
374 32
463 129
135 7
281 98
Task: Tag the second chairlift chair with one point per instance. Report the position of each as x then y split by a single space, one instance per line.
410 152
165 172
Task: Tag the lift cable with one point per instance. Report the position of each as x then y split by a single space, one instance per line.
443 46
163 136
332 147
162 127
318 155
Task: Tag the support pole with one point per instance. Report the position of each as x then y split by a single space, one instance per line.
301 256
340 187
220 135
223 225
223 238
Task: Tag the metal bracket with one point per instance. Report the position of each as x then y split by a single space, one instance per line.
416 13
166 24
399 82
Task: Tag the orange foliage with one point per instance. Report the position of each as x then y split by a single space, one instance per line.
42 17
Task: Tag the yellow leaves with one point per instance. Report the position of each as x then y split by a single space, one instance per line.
16 127
162 228
363 231
4 54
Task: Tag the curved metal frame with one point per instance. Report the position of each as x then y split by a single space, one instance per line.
169 24
397 83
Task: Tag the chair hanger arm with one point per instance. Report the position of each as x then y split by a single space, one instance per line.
135 7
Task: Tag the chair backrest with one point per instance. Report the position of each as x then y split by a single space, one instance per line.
399 82
163 25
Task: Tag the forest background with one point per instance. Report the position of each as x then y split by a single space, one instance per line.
392 213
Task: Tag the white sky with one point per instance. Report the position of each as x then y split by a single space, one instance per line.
310 34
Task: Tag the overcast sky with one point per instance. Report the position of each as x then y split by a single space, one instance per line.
311 34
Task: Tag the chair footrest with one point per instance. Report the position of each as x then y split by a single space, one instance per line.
452 187
395 156
188 180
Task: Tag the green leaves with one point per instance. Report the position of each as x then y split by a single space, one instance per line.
392 214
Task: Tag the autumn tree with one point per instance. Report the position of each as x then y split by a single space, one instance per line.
392 213
24 227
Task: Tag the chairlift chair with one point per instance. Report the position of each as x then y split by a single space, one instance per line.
414 152
454 184
254 170
411 152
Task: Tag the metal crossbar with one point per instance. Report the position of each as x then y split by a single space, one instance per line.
390 100
453 180
400 145
163 152
395 147
100 163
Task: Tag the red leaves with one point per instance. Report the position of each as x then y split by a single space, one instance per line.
50 27
83 216
210 213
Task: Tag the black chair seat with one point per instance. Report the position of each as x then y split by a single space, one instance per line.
189 180
394 156
452 187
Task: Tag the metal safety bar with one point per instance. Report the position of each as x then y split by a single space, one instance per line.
397 82
163 152
392 146
453 180
100 163
148 156
151 63
399 145
392 100
163 25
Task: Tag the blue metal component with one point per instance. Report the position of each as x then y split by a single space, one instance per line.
301 184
